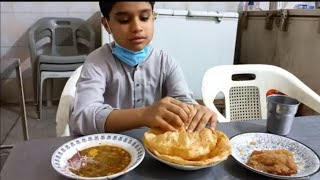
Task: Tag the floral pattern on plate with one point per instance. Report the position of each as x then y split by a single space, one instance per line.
179 166
244 144
67 150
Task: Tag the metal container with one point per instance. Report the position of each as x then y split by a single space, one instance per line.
281 111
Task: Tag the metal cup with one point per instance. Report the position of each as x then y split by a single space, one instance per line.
281 111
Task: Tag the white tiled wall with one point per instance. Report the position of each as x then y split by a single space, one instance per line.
17 18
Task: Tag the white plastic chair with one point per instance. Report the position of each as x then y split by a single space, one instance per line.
66 104
246 99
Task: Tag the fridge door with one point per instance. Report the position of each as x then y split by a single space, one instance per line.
198 40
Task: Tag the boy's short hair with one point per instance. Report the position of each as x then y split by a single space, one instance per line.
106 6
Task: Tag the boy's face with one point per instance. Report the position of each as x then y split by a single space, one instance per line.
132 24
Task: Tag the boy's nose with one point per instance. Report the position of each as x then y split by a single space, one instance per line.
136 26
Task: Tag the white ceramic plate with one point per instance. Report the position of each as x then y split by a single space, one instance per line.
178 166
244 144
67 150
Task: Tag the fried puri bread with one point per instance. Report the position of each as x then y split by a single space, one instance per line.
280 162
188 148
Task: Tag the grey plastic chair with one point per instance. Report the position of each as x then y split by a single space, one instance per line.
58 46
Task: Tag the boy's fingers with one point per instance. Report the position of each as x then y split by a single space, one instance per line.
196 119
176 110
166 126
182 105
213 122
173 119
203 122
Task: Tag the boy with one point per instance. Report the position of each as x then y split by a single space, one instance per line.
128 84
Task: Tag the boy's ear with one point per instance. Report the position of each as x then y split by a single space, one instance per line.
105 25
155 15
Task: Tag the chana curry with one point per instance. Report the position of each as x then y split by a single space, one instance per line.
99 161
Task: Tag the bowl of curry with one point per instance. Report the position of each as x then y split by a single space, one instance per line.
98 156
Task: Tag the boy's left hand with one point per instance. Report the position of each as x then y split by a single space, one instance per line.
200 116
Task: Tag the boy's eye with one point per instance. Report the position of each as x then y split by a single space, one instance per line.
123 21
144 18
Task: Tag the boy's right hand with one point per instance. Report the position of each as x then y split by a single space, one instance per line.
167 114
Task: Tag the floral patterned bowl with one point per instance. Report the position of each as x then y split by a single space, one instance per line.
66 151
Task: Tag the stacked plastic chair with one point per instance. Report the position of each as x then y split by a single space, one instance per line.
58 46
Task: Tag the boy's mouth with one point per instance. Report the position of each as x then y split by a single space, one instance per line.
138 39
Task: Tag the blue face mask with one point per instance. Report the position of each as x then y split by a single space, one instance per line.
132 58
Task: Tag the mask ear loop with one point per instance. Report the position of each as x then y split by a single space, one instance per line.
155 16
109 36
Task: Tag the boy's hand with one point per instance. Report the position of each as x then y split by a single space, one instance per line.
167 114
200 117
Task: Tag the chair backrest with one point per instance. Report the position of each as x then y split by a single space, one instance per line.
66 104
245 99
61 37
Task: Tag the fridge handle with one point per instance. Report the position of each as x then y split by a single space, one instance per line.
269 20
284 20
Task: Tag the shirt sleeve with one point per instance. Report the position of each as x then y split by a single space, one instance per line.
176 84
89 111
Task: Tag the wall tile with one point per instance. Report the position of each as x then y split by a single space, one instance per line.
6 7
14 26
264 6
35 7
18 17
291 5
175 5
7 54
83 7
15 33
217 6
31 7
159 5
197 6
231 6
9 90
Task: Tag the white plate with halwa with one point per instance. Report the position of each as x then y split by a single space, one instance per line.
271 155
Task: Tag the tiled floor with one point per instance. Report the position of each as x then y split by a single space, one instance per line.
11 126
